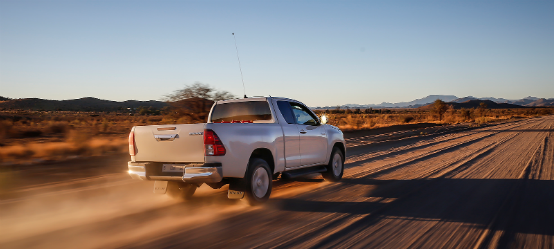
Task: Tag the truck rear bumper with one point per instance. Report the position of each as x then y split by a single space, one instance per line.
136 171
208 172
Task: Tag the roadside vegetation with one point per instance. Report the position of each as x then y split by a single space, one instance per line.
34 136
439 113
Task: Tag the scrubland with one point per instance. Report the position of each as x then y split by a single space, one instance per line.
34 136
369 119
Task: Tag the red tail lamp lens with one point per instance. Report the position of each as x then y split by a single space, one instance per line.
132 144
213 146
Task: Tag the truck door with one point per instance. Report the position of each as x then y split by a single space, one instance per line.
313 140
290 135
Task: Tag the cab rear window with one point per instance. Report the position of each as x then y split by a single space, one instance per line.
241 112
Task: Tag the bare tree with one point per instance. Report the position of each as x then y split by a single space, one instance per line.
192 103
198 90
482 108
440 108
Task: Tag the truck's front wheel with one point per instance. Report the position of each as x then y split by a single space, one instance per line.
335 166
259 182
181 190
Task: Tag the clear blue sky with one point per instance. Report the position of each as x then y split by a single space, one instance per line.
319 52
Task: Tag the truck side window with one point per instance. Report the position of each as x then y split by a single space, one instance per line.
303 115
286 111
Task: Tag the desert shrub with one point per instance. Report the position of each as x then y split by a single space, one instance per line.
101 146
30 133
57 127
452 118
5 128
23 122
482 109
168 120
75 122
407 119
155 120
54 150
105 125
482 120
465 114
16 152
439 107
184 120
78 138
370 122
352 122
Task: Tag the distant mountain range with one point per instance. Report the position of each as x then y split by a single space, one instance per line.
451 99
475 103
94 104
88 104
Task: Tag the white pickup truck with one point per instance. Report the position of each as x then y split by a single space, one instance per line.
246 143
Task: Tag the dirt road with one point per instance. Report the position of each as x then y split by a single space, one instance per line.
478 188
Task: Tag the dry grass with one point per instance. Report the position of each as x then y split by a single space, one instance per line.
28 136
382 118
61 150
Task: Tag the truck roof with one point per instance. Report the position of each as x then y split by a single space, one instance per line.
252 99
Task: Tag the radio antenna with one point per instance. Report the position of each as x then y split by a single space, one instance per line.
244 94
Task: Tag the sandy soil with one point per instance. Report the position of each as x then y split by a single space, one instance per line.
462 188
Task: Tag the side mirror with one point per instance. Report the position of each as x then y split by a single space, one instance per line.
323 119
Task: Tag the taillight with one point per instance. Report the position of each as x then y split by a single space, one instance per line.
132 144
213 146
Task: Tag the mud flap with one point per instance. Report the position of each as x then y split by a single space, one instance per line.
160 187
237 187
233 194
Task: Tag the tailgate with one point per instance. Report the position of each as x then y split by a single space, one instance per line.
169 143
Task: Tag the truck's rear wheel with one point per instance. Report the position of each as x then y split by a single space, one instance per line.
181 190
335 166
259 181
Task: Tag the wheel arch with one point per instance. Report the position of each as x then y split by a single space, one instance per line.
341 146
266 154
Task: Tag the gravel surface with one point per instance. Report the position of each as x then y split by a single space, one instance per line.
463 188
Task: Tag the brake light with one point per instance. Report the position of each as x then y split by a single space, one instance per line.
213 146
132 144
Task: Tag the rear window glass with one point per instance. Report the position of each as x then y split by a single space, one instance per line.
241 112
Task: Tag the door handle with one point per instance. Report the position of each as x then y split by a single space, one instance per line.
303 131
168 137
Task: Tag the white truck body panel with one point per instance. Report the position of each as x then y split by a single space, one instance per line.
186 147
240 140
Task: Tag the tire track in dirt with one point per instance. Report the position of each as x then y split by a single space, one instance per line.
486 234
319 234
425 143
502 181
457 166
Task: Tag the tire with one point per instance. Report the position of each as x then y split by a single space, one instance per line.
181 190
259 182
335 166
